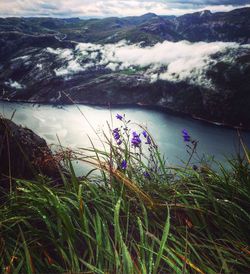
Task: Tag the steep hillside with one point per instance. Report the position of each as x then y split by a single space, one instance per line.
178 63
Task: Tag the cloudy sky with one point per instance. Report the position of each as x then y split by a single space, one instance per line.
99 8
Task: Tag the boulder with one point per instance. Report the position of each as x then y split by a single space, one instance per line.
23 154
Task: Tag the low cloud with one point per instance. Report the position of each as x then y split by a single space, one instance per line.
14 84
171 61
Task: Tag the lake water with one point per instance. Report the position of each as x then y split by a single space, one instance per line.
72 128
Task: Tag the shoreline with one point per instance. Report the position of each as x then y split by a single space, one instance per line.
138 105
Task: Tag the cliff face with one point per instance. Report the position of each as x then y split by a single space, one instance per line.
205 80
23 154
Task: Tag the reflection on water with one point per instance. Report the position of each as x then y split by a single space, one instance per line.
74 129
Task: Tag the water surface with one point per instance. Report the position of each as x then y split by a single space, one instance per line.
74 128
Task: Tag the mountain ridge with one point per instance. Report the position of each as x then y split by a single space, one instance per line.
183 71
222 26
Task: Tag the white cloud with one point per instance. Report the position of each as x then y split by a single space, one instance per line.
63 8
172 61
71 64
14 84
72 68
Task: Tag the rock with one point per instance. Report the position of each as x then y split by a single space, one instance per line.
23 154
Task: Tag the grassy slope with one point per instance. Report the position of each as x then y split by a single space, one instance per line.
178 220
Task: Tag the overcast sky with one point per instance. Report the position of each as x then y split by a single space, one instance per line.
98 8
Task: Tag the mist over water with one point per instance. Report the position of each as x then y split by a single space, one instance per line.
74 130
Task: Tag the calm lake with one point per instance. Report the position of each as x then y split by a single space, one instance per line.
72 128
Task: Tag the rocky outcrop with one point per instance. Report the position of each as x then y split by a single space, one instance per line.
23 154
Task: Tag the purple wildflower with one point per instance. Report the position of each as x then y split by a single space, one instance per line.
116 134
145 134
148 141
119 117
186 135
124 164
119 142
136 141
146 175
135 134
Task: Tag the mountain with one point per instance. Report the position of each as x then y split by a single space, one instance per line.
48 60
150 28
223 26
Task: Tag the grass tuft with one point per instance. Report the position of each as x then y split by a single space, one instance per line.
144 218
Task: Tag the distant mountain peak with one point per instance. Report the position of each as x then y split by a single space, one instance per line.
149 15
205 13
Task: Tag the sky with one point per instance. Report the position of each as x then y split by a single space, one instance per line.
107 8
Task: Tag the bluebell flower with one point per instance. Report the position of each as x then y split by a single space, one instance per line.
119 117
119 142
124 164
135 134
144 133
136 141
116 134
148 141
146 175
186 135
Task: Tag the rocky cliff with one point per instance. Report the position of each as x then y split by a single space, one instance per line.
23 154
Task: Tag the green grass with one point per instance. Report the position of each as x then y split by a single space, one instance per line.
132 71
179 220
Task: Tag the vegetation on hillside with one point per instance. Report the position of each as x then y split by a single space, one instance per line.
130 214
